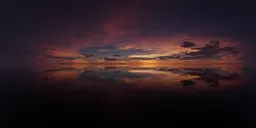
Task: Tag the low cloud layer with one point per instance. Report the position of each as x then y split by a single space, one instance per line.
111 51
61 58
210 50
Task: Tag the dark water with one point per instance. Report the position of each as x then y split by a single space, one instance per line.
128 96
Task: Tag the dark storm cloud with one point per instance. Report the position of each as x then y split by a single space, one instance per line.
187 44
111 50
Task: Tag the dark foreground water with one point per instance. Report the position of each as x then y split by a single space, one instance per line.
126 96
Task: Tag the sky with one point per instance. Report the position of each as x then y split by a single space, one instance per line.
142 30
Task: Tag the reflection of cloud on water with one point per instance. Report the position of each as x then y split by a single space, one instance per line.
189 76
61 69
211 76
109 75
173 78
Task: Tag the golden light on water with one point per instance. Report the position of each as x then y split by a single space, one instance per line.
150 75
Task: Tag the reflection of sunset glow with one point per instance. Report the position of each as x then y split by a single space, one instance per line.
141 62
165 78
172 81
152 75
65 74
147 71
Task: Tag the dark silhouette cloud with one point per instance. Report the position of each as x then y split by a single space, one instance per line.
175 56
116 55
98 48
110 59
215 43
210 50
187 44
198 57
47 48
142 58
61 58
232 50
163 58
61 69
88 56
111 50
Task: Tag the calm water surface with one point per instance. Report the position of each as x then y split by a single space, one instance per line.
124 94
